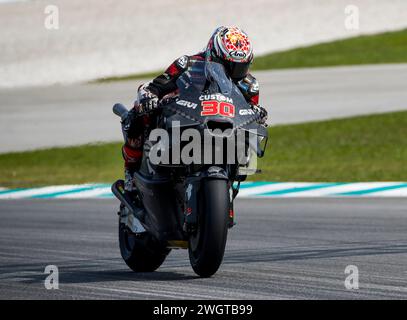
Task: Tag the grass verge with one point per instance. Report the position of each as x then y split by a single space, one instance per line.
388 47
366 148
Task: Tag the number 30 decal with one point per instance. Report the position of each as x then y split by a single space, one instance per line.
213 107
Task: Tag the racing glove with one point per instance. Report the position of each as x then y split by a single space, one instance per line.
262 112
133 125
146 100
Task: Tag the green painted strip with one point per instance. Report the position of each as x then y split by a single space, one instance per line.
58 193
255 184
299 189
245 185
366 191
106 195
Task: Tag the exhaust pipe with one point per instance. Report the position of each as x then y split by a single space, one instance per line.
118 191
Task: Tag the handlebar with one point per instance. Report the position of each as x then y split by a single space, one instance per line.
120 110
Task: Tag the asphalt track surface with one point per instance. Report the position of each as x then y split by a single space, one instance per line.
280 249
39 117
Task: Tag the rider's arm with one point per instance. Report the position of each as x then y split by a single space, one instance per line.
249 86
166 83
150 93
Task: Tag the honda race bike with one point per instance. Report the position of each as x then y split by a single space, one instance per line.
184 201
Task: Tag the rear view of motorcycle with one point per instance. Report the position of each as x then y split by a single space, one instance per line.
205 142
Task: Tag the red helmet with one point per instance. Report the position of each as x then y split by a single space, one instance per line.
231 47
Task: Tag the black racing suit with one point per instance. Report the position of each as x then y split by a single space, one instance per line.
166 82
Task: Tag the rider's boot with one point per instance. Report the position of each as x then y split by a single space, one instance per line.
129 184
132 161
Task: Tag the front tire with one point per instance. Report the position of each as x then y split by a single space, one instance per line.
207 245
141 252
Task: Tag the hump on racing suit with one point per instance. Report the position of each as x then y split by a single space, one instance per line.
166 82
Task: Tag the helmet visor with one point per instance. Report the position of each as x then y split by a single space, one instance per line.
238 70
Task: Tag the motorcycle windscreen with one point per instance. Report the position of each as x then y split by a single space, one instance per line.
192 82
199 84
205 76
215 73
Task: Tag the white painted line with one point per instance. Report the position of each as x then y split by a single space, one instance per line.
250 190
95 193
40 191
401 192
271 187
334 190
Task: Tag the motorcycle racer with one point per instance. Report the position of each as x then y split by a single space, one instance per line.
229 46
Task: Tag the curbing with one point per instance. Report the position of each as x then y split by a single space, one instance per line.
247 190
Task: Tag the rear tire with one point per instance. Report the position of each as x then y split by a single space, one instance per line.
141 252
207 246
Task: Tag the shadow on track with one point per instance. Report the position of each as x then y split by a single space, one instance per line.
106 270
84 272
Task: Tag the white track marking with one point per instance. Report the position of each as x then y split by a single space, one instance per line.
95 193
401 192
334 190
271 187
251 190
19 194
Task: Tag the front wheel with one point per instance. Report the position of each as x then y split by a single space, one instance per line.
141 252
207 244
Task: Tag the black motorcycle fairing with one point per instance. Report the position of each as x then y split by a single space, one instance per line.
163 216
208 81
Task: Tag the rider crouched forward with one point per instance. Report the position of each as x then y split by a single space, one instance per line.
229 46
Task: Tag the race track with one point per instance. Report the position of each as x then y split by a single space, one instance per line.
32 118
280 248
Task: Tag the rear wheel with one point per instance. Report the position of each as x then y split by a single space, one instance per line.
207 244
141 252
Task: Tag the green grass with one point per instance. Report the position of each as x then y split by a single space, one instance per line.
368 148
79 164
389 47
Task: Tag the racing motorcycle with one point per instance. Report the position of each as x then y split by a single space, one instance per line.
189 204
